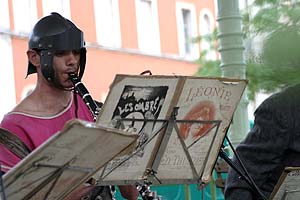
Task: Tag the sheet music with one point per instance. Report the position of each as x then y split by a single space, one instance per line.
65 161
288 186
206 100
136 97
198 99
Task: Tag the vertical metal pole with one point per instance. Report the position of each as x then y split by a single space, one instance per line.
231 48
187 192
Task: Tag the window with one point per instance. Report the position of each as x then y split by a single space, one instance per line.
107 22
4 15
187 30
25 15
206 27
7 81
147 26
60 6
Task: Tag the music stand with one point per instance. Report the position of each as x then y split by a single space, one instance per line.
181 121
287 187
65 161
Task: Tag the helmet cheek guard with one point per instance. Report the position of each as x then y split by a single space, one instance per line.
47 64
82 62
53 33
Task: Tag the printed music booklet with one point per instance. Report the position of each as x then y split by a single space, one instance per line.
181 122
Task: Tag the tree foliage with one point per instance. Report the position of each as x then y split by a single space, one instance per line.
277 63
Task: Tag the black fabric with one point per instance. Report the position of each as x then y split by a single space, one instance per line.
272 145
99 193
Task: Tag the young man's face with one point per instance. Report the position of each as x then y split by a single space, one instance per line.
64 63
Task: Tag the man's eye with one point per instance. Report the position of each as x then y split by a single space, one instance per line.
76 52
60 53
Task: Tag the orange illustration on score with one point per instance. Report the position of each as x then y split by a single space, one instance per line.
204 111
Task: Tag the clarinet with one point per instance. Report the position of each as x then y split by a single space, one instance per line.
85 95
94 108
145 192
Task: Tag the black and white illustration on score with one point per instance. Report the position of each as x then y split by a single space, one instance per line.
139 102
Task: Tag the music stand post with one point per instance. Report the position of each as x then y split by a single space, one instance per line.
243 173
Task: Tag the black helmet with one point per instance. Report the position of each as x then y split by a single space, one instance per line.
52 33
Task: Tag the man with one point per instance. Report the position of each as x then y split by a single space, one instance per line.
56 50
272 145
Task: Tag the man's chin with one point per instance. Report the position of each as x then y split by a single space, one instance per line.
69 88
66 86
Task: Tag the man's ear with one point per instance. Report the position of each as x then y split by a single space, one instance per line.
33 57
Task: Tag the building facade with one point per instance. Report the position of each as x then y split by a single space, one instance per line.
122 36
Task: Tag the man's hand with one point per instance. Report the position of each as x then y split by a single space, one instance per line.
129 192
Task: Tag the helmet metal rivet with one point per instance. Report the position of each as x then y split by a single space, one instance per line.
49 79
49 53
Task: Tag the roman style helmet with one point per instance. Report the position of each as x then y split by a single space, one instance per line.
52 33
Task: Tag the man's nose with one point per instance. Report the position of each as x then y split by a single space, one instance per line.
72 58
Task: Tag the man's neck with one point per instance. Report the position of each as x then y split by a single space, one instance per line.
45 101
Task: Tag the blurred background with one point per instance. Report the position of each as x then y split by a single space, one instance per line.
167 37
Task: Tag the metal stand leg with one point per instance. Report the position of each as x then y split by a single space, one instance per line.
243 173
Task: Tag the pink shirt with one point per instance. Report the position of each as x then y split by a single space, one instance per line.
33 130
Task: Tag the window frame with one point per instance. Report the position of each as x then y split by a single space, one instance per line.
112 37
24 18
180 30
153 47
